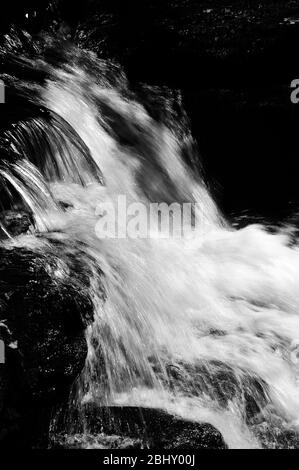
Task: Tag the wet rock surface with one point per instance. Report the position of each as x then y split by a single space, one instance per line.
43 316
14 223
276 434
222 383
132 427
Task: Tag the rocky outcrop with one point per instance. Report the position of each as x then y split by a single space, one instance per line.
44 309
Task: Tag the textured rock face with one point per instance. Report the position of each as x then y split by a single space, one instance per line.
132 427
220 381
43 315
14 223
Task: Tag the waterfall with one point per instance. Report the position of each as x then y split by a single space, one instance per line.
204 326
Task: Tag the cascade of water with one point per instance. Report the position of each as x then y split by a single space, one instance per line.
205 325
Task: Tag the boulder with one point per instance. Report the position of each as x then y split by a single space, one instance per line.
44 309
133 427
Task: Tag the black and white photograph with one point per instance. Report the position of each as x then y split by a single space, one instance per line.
149 228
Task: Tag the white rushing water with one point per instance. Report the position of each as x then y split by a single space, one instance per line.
196 325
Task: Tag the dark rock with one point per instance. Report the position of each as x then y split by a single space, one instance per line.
123 427
44 309
275 433
14 223
221 383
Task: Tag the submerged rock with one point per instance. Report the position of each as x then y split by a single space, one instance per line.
275 433
44 310
221 383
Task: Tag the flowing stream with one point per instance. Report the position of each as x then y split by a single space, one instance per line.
205 326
